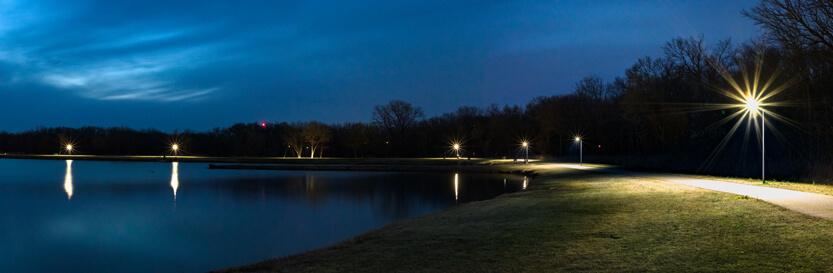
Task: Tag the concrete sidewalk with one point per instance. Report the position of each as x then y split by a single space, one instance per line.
818 205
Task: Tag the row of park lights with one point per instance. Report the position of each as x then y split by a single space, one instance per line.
525 146
174 148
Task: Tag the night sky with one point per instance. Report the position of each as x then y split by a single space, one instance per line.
202 64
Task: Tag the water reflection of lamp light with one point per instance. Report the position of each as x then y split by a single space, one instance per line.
68 180
310 182
525 181
456 186
175 178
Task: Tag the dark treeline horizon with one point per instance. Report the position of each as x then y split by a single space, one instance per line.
672 112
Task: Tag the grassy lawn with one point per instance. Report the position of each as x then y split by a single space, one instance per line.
582 221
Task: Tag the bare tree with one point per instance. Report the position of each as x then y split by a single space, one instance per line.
799 25
397 117
316 134
592 88
293 136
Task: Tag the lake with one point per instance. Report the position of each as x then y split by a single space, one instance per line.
94 216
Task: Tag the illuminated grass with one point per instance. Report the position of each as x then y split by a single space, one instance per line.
581 221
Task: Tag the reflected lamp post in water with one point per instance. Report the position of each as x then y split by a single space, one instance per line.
175 178
68 180
456 187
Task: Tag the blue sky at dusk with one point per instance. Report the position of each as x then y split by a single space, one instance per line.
203 64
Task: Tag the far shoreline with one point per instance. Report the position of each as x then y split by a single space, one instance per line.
474 165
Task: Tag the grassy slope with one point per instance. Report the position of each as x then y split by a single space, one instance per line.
581 221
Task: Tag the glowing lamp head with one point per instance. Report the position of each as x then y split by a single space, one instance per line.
578 139
175 147
263 124
456 146
752 104
525 144
69 147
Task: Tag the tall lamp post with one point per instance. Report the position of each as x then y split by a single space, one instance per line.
580 152
457 150
69 149
754 106
175 148
526 150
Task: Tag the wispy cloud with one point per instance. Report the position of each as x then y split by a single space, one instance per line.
139 79
126 61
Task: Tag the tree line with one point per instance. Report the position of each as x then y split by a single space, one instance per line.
678 111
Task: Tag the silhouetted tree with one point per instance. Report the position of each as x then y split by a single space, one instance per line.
316 134
397 117
801 26
294 138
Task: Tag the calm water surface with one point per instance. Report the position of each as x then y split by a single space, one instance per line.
87 216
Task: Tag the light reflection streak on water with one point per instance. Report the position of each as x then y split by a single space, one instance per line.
175 178
525 182
456 186
309 182
68 180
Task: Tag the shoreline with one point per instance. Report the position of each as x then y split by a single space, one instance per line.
377 168
579 220
317 164
268 160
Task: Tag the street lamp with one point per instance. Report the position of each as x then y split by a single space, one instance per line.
457 150
69 149
580 152
175 148
526 149
753 105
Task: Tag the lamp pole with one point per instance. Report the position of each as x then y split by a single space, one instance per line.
526 150
753 105
175 147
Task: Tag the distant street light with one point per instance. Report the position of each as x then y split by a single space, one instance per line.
457 150
753 105
580 152
175 148
69 149
526 149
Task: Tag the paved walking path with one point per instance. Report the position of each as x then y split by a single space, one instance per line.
818 205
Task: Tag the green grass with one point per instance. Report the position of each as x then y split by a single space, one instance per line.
581 221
